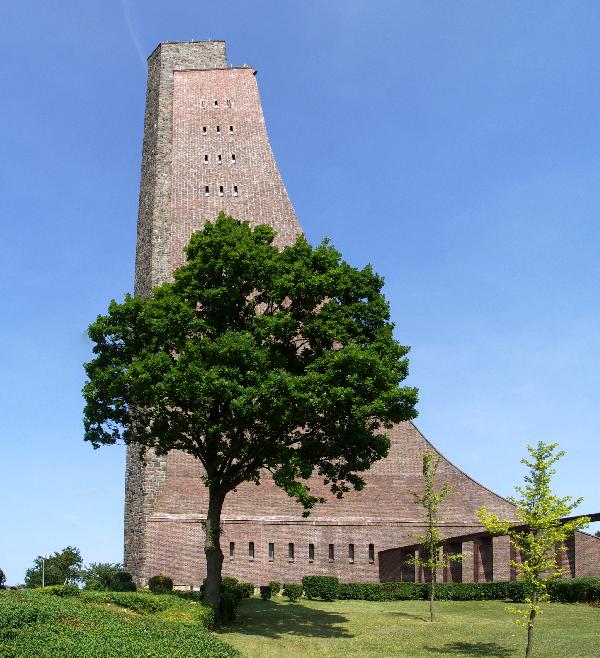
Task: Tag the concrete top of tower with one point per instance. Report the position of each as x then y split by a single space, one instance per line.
193 54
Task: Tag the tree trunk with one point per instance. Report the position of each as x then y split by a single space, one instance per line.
432 594
212 547
532 613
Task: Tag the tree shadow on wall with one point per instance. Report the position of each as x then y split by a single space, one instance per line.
488 649
272 620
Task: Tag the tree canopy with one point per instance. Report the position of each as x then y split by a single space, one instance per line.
61 567
253 358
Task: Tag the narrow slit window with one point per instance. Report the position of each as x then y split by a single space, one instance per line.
228 103
204 130
206 190
251 550
206 159
311 552
290 551
220 190
371 553
233 158
230 129
271 552
231 549
219 159
219 129
331 552
235 190
350 553
203 103
216 102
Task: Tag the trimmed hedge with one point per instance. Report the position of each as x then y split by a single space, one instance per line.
321 587
292 591
60 590
275 586
575 590
160 584
265 592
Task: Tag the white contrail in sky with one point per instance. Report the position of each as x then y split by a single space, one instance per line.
132 32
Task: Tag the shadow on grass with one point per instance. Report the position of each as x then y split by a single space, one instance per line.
272 620
491 649
408 615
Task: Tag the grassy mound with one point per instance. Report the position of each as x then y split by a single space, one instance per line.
106 625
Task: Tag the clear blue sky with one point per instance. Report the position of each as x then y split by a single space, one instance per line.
454 145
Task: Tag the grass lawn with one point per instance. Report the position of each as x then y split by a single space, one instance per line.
351 629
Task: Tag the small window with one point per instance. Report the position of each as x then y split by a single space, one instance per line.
371 553
231 549
233 158
216 102
350 553
311 552
235 190
290 551
331 552
251 550
230 129
220 190
219 129
206 159
203 103
271 552
219 159
228 103
206 190
204 130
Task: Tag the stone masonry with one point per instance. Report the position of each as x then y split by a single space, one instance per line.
206 150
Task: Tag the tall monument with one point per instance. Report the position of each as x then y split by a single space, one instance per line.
206 150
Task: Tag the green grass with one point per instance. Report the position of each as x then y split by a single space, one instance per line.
366 629
111 625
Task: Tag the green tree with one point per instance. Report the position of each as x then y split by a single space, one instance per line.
100 575
431 500
538 530
2 579
252 360
60 568
597 534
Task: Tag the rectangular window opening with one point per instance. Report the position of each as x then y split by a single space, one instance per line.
271 552
216 102
204 130
290 551
251 550
219 159
220 190
311 552
331 552
235 190
230 129
371 553
233 158
206 190
351 553
206 159
218 129
231 549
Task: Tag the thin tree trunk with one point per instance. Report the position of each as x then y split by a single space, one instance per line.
432 594
532 613
212 547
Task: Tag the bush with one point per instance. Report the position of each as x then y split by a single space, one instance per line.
160 584
234 586
575 590
2 579
292 592
60 590
321 587
122 582
228 607
275 587
265 592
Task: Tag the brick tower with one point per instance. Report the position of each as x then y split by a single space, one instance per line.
206 150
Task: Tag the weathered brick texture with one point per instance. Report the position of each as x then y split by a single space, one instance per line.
206 150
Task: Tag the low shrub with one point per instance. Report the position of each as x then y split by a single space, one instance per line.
245 590
575 590
228 607
60 590
160 584
292 591
275 587
122 582
265 592
321 587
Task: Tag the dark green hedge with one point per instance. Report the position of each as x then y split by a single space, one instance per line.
575 590
325 588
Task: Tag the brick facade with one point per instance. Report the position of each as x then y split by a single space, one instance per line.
206 150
